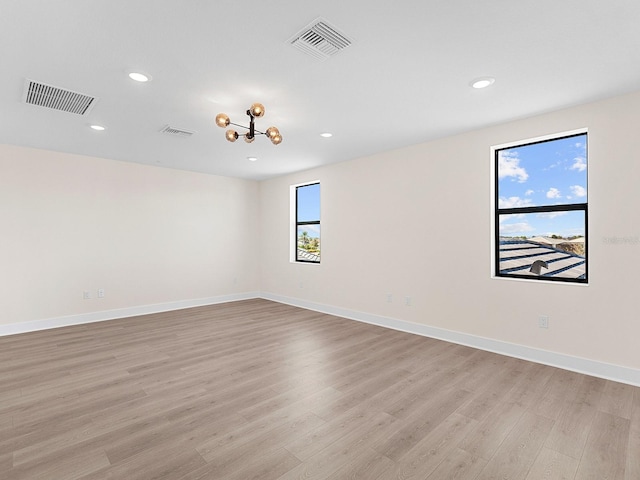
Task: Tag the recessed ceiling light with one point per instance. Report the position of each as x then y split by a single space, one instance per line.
97 127
326 134
482 82
139 77
252 159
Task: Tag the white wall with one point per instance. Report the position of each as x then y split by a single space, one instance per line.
412 222
416 222
148 236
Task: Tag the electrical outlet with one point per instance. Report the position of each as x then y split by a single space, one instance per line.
86 295
407 301
389 298
543 321
101 293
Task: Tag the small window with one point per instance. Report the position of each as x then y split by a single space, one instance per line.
307 231
541 210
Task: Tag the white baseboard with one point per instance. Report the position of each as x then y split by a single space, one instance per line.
15 328
567 362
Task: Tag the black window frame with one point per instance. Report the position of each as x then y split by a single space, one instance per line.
539 209
306 222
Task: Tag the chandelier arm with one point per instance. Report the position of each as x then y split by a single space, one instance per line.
257 132
238 125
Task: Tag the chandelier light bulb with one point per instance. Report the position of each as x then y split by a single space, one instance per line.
257 110
222 120
277 139
248 138
272 132
231 135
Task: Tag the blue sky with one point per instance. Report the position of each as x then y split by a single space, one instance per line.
309 209
547 173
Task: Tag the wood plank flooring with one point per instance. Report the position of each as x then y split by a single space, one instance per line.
260 390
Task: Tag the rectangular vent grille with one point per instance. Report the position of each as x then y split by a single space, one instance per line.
43 95
320 40
177 132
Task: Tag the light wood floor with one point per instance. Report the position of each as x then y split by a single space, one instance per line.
260 390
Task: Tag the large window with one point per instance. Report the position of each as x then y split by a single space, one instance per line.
307 229
541 209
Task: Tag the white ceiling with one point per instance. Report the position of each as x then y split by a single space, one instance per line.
404 80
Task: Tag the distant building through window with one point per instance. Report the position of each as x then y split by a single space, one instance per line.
307 231
541 209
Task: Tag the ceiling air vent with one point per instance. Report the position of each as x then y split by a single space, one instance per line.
43 95
177 132
320 40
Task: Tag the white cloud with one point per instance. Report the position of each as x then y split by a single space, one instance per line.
529 192
504 218
513 202
521 228
553 193
312 230
580 164
554 165
509 166
551 214
578 190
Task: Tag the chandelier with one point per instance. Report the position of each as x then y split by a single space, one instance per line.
256 111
